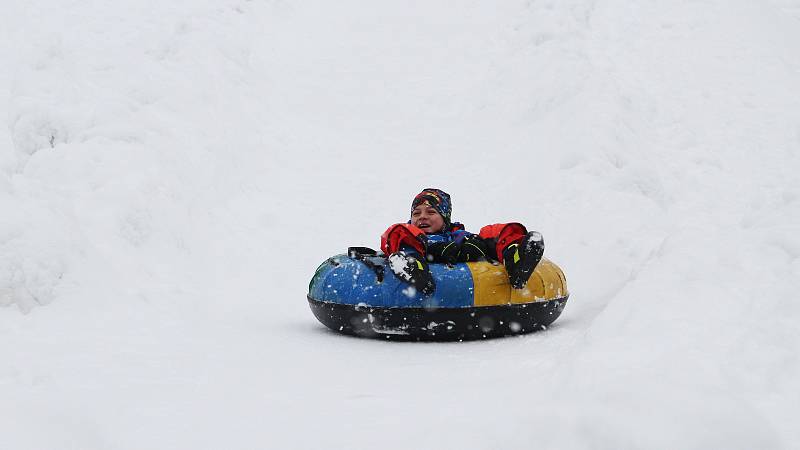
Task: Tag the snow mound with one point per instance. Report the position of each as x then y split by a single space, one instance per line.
172 173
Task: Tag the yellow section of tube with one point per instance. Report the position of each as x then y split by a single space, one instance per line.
492 288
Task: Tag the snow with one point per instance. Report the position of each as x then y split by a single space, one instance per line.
171 174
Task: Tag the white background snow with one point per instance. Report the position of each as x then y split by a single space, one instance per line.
172 172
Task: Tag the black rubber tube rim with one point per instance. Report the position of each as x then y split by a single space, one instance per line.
440 324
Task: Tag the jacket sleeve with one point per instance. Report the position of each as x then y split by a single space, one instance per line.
403 235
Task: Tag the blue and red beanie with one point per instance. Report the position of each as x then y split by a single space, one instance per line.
438 199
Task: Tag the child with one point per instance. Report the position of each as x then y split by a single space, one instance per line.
431 236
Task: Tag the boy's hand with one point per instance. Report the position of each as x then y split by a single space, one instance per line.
413 271
443 252
472 249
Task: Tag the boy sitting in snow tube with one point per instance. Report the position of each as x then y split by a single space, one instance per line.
430 236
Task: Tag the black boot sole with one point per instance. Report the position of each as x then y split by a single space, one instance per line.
530 253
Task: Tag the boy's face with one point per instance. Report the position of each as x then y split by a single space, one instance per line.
426 218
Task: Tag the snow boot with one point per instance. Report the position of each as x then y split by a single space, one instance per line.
521 258
412 270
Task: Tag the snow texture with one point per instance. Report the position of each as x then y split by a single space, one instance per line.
171 174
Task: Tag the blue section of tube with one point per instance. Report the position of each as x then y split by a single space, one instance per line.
348 281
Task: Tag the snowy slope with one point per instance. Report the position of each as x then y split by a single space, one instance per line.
171 173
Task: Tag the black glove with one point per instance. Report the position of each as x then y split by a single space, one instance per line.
472 248
443 252
414 271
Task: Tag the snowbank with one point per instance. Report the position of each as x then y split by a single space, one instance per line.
172 173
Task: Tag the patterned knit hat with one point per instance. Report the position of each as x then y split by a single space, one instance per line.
438 199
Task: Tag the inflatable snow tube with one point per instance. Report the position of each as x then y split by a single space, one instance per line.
358 294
